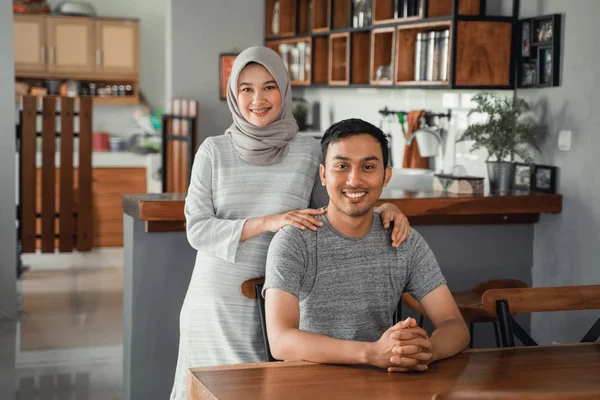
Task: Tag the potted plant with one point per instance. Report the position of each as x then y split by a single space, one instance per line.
506 132
299 110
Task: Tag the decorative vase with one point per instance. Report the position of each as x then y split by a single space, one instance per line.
502 176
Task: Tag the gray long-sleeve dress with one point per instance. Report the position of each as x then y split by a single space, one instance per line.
218 325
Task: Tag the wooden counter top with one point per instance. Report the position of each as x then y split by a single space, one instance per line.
421 208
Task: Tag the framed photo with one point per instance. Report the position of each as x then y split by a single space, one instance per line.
526 39
225 64
523 176
544 179
529 73
546 66
544 31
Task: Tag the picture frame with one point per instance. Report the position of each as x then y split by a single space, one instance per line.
546 66
523 176
526 39
544 179
544 31
529 73
225 64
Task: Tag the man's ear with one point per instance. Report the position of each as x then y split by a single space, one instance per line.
387 176
322 174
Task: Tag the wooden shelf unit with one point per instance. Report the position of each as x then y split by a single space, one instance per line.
320 67
382 54
442 8
480 54
405 52
321 15
275 45
342 17
287 18
339 58
360 53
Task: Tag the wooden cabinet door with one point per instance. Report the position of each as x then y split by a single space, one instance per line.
117 44
30 43
70 44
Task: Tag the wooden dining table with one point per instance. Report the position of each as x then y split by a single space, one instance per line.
558 368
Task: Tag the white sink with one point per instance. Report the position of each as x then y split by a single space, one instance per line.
415 179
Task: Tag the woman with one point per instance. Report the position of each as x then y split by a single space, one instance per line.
246 185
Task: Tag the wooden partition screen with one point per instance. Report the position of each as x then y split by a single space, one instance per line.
178 145
55 198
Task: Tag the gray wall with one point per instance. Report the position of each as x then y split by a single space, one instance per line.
566 246
201 29
7 162
7 203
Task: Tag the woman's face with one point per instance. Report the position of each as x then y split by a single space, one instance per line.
258 95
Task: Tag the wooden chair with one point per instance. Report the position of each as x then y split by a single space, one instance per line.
472 394
507 302
252 289
470 304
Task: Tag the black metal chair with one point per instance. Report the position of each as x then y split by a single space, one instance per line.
252 289
507 302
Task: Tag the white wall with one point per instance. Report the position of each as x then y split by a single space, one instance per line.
151 14
201 29
567 245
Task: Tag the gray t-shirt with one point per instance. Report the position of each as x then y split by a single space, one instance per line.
348 288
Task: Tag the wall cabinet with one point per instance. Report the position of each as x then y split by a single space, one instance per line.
116 47
89 50
396 43
70 45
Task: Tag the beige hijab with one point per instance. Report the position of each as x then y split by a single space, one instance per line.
267 145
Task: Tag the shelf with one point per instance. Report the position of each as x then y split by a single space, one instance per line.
383 11
304 17
320 15
320 60
341 14
287 18
108 100
406 57
339 56
438 8
361 45
297 66
382 52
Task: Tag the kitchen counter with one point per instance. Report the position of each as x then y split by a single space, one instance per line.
421 208
114 159
474 238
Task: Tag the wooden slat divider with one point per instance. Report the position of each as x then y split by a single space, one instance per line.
66 175
28 174
184 148
48 173
84 203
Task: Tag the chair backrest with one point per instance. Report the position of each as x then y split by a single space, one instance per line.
473 394
252 289
507 302
560 298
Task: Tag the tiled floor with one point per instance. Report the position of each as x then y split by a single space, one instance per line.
69 342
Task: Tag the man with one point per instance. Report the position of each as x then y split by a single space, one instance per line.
330 294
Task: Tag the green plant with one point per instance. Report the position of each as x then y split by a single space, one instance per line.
299 110
505 133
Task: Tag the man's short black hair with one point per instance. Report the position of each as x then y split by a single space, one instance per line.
350 127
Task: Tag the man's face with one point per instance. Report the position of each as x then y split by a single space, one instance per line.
354 174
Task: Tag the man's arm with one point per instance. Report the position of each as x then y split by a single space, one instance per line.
289 343
451 334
